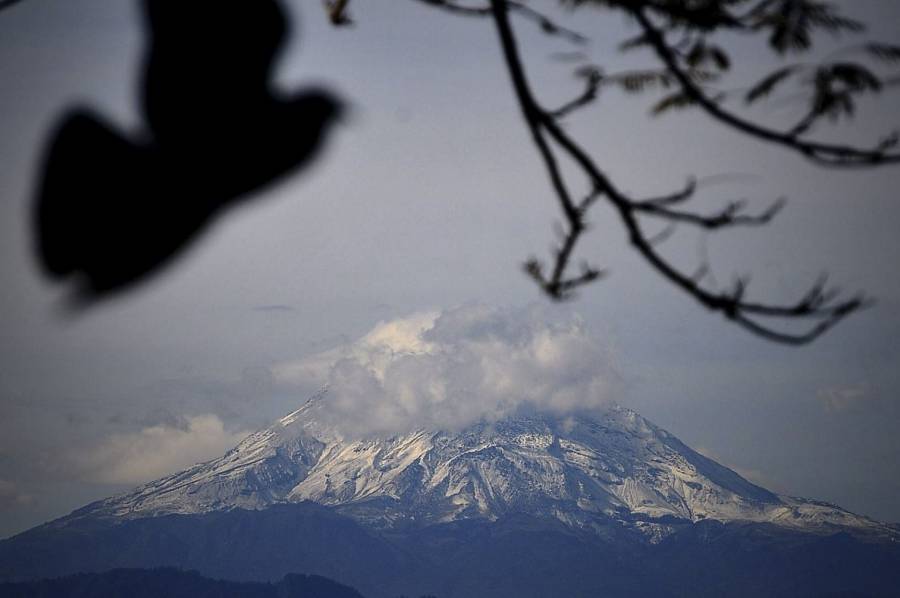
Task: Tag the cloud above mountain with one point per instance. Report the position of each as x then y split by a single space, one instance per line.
453 368
156 450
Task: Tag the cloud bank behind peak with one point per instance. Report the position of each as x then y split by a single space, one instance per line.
452 368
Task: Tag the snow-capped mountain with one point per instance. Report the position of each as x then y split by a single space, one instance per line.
532 506
584 471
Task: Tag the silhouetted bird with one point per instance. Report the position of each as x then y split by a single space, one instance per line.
112 209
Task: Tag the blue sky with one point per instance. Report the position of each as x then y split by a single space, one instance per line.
430 196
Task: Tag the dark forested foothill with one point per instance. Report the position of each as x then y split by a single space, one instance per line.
173 583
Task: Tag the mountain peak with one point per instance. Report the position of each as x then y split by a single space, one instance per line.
586 470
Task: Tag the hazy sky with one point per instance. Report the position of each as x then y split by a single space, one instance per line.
429 197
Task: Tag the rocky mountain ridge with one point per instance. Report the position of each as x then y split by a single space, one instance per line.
583 471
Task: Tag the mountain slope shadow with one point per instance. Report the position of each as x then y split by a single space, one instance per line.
173 583
112 209
236 545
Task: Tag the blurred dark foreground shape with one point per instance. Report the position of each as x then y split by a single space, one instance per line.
112 208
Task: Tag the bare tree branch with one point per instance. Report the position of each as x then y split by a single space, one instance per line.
673 198
592 79
4 4
823 153
337 12
546 24
818 304
729 216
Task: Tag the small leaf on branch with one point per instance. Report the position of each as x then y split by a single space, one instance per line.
675 101
884 52
768 83
634 43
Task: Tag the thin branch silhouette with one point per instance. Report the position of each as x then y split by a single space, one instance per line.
546 24
4 4
819 304
823 153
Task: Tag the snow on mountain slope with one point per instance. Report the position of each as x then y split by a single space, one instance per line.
582 470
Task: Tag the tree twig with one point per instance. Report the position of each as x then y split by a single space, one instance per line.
4 4
818 304
823 153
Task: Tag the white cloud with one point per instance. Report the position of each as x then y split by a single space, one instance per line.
375 350
157 450
453 368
